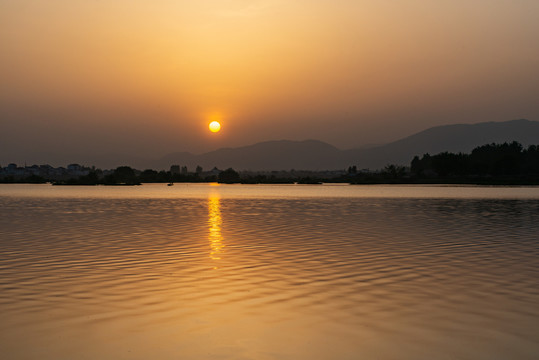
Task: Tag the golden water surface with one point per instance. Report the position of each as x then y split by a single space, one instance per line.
217 272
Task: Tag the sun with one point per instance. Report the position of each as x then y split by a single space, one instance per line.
215 126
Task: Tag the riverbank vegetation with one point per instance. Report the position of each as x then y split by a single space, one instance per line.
491 164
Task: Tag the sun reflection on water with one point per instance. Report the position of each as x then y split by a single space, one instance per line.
214 222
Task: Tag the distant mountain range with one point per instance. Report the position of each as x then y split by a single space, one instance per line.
452 138
268 155
317 155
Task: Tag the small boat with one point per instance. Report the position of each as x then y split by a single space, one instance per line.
170 184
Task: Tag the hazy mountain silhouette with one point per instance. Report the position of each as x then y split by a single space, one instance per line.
317 155
452 138
269 155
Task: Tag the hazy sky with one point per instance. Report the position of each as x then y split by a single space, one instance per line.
145 77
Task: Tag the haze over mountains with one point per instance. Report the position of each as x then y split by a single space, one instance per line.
451 138
318 155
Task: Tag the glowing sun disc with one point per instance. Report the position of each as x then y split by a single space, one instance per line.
215 126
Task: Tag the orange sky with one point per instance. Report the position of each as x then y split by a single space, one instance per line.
144 77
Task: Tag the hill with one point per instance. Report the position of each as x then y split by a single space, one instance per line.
268 155
317 155
453 138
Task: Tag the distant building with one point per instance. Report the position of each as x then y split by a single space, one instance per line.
214 171
74 167
175 169
76 170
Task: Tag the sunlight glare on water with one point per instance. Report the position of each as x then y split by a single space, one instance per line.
214 220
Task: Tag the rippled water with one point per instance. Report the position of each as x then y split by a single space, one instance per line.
228 274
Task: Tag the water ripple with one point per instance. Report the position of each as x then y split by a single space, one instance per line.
266 277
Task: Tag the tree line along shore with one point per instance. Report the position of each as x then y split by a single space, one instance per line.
490 164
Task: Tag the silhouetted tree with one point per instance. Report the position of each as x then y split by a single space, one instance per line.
148 176
91 179
394 171
507 159
229 176
122 175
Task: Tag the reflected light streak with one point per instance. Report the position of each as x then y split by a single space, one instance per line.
214 223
